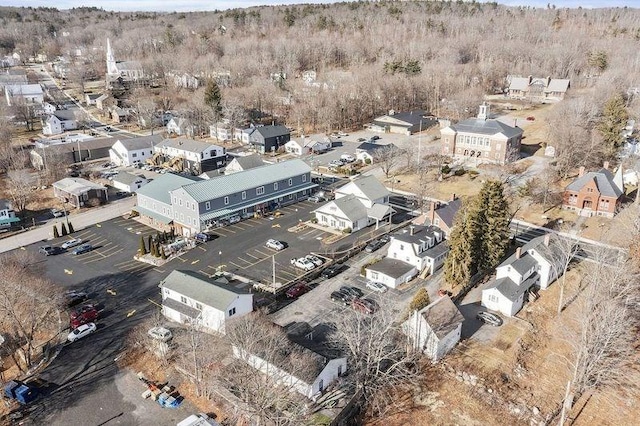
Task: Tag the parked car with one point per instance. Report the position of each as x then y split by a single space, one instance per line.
336 163
82 331
49 250
343 134
274 244
385 238
108 129
353 291
376 286
334 135
332 270
338 296
361 139
160 333
74 297
489 318
375 137
297 290
83 315
314 259
202 237
74 173
57 213
234 219
363 306
71 243
347 158
316 199
84 248
373 246
303 263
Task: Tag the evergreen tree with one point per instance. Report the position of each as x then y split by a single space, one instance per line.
495 238
163 255
213 99
165 237
420 300
461 263
56 234
150 244
157 249
152 249
142 249
613 121
64 229
71 230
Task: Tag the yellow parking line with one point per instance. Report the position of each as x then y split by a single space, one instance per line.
202 248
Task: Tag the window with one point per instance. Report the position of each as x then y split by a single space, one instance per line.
401 246
374 275
186 204
198 306
493 298
183 299
275 186
193 207
589 189
207 205
290 182
291 196
181 202
226 200
181 216
134 155
304 178
232 311
244 195
213 153
260 190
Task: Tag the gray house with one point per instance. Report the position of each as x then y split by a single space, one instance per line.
267 139
51 152
183 154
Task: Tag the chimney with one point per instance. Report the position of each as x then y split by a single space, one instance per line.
530 79
547 238
518 252
453 197
432 212
548 80
412 230
606 165
581 172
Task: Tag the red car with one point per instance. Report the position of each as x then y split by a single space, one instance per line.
531 118
363 306
83 315
297 290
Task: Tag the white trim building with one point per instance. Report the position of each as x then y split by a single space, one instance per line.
127 152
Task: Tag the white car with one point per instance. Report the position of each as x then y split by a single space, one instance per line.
314 259
336 163
71 243
303 264
375 286
160 333
82 331
343 134
348 158
274 244
57 213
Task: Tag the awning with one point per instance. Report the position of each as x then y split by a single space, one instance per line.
380 211
9 220
154 215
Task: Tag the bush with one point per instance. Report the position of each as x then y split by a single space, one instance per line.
420 300
446 169
314 220
71 230
346 231
64 229
367 161
459 172
56 234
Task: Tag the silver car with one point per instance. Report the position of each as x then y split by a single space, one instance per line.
376 286
82 331
71 243
275 244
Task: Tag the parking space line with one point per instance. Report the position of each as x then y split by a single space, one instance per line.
205 273
311 231
202 248
229 230
181 259
159 270
252 256
246 261
236 227
269 254
285 272
236 265
256 221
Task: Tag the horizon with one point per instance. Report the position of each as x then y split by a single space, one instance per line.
202 5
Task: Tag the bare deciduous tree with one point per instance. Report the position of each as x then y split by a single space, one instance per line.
20 188
387 157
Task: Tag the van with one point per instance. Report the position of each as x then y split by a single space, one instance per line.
202 237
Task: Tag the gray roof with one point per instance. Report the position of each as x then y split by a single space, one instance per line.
349 205
442 316
159 188
391 267
523 264
220 186
437 250
370 147
604 181
247 162
202 289
84 144
5 204
411 118
512 291
141 142
76 186
486 127
558 85
519 83
370 187
64 114
93 96
129 65
272 131
186 144
126 177
181 307
447 212
379 211
24 89
420 233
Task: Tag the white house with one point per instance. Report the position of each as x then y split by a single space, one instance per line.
366 151
59 122
129 182
191 155
30 93
242 163
358 204
191 297
390 272
435 329
423 247
180 127
538 263
127 152
297 147
7 215
48 108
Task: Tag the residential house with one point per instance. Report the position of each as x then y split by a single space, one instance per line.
119 115
297 147
435 329
91 98
104 102
242 163
295 367
58 122
358 204
404 123
223 131
127 152
423 247
537 89
443 215
185 80
12 78
320 147
7 215
268 139
128 182
482 140
153 201
180 126
194 206
366 151
48 108
29 93
78 191
595 193
69 151
391 272
184 154
192 298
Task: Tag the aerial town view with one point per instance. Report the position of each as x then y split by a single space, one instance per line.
329 213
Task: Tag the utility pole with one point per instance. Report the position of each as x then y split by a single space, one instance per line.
420 144
273 258
563 413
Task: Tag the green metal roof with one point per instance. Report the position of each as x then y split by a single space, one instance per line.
159 188
9 220
218 187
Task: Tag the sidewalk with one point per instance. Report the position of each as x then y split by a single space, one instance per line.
79 221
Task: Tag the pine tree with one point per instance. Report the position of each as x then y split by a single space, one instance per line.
613 121
165 237
420 300
142 249
157 249
460 264
64 229
71 230
163 255
150 244
56 234
213 99
495 232
152 247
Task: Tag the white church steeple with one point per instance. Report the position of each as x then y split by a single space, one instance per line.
112 68
483 112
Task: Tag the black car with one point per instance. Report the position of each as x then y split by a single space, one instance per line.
332 270
353 292
385 238
373 246
74 298
340 297
375 137
49 250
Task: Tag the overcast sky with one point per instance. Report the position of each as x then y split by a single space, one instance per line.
196 5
